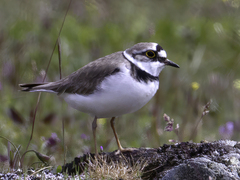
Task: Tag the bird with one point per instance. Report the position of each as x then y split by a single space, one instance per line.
111 86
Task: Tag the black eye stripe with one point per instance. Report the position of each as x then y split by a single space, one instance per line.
162 59
159 48
153 56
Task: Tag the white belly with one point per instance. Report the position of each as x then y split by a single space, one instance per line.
117 95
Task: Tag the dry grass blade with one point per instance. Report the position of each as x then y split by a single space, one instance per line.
42 169
101 169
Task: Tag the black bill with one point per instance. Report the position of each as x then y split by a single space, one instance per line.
170 63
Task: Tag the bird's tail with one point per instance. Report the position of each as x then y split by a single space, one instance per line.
36 87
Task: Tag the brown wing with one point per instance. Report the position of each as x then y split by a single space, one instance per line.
86 79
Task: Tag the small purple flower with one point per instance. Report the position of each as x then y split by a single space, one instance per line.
101 148
3 158
52 141
226 131
8 69
230 126
85 137
169 126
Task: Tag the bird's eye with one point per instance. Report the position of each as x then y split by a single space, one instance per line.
150 54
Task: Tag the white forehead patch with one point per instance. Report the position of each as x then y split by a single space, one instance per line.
154 46
163 54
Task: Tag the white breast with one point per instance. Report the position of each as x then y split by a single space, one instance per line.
117 95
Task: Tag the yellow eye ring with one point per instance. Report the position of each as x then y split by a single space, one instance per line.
150 54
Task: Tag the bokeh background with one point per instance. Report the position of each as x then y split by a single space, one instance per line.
203 37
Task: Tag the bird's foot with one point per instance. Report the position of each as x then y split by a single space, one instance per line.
123 150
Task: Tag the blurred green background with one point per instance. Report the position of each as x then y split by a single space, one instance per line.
202 36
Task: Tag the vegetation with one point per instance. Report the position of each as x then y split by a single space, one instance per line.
203 37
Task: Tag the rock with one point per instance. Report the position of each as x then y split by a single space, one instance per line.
198 161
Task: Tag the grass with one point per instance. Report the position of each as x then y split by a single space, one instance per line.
95 169
101 169
201 36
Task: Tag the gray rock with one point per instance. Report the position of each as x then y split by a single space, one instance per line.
181 161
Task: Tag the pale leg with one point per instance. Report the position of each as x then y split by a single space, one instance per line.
94 127
115 134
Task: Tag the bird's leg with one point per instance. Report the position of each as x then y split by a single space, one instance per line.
94 127
115 134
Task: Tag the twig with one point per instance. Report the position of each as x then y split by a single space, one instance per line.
205 112
39 96
60 58
60 72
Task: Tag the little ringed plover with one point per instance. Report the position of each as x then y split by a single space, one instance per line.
117 84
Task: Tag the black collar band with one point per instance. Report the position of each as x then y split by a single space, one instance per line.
141 75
